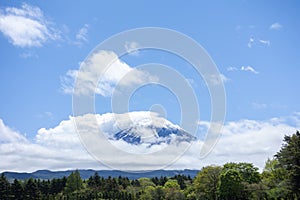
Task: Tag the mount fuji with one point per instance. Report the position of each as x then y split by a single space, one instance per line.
143 128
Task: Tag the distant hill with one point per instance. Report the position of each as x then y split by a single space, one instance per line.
85 174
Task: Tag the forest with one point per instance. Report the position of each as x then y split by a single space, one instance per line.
280 179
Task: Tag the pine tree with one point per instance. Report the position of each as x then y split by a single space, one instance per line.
289 159
74 182
31 189
17 190
4 188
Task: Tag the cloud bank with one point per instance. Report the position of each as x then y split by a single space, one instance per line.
60 148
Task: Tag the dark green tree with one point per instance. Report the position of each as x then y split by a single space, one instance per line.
289 159
17 190
74 183
31 189
4 187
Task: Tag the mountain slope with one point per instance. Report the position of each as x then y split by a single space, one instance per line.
85 174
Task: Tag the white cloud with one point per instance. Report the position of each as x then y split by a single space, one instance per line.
26 26
217 79
60 147
67 81
249 69
132 48
276 26
9 135
57 148
82 35
243 68
251 141
93 78
250 42
253 41
265 42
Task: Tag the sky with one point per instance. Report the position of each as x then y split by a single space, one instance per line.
254 45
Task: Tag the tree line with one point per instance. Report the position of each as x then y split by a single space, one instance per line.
280 179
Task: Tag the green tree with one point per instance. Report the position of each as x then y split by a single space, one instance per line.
231 186
275 180
289 159
248 172
145 182
206 182
31 189
17 190
158 193
172 190
250 177
74 183
4 187
147 193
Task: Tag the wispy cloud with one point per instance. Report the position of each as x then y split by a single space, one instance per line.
132 48
82 35
230 69
265 42
249 69
243 68
276 26
250 42
27 26
217 79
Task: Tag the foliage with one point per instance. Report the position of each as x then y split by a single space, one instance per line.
206 182
248 172
231 186
275 179
289 159
4 187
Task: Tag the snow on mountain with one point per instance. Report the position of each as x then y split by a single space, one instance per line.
142 127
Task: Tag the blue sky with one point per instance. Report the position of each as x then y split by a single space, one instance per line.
255 45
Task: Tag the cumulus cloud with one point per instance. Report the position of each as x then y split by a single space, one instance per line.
9 135
26 26
60 148
95 78
276 26
251 140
